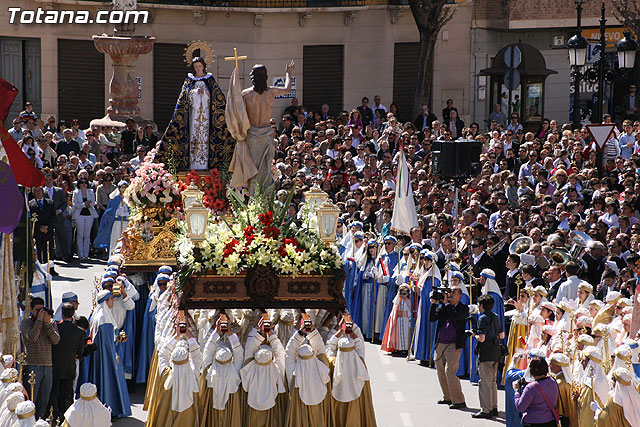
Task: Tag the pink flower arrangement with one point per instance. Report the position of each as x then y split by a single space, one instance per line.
152 185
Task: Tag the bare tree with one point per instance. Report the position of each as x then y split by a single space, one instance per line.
430 17
628 13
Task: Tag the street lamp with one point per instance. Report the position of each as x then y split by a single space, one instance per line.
577 46
627 48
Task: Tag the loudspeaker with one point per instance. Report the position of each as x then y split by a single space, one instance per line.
461 157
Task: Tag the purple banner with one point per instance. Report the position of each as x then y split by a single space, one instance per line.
12 201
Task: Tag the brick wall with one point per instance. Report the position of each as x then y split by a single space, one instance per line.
499 11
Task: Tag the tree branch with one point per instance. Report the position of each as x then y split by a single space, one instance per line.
628 13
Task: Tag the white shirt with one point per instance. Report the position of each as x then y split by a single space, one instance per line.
569 289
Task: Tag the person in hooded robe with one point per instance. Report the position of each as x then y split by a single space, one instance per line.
8 416
387 261
7 377
365 290
594 386
221 400
263 378
517 329
354 240
635 353
622 408
560 368
70 297
397 333
11 388
146 347
105 367
351 401
124 315
284 321
429 277
308 377
25 414
514 373
6 362
178 396
114 220
87 410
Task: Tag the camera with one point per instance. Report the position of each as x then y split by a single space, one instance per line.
522 382
117 290
473 329
47 310
438 292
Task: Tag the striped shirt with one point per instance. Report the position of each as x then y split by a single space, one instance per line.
38 339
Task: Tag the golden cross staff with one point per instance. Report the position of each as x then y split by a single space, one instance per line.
235 57
32 383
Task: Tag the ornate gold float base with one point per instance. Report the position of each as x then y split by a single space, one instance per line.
261 287
147 256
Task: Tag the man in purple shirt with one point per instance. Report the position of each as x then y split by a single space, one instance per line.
450 314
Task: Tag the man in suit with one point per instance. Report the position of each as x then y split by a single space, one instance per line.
64 356
479 261
631 104
446 111
57 196
67 145
45 223
424 119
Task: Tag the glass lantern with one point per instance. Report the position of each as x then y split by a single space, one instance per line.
627 48
314 198
197 217
577 46
191 195
328 215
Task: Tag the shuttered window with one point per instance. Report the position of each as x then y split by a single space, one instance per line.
81 87
169 72
405 73
323 77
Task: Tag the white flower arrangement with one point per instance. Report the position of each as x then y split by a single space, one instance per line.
259 234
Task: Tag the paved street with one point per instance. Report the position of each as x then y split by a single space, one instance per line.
404 393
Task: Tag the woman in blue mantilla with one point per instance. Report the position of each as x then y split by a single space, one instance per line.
197 137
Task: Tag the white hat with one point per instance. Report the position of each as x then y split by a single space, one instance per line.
223 354
25 409
88 390
264 355
179 354
613 296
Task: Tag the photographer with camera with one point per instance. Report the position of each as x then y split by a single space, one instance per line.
488 334
451 315
39 332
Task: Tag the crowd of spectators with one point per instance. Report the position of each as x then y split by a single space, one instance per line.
82 167
537 183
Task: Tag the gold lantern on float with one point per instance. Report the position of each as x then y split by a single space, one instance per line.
328 215
197 217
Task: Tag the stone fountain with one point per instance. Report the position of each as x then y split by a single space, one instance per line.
124 48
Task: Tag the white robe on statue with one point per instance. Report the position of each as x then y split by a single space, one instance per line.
199 102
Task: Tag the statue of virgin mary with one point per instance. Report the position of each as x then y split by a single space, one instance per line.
197 137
